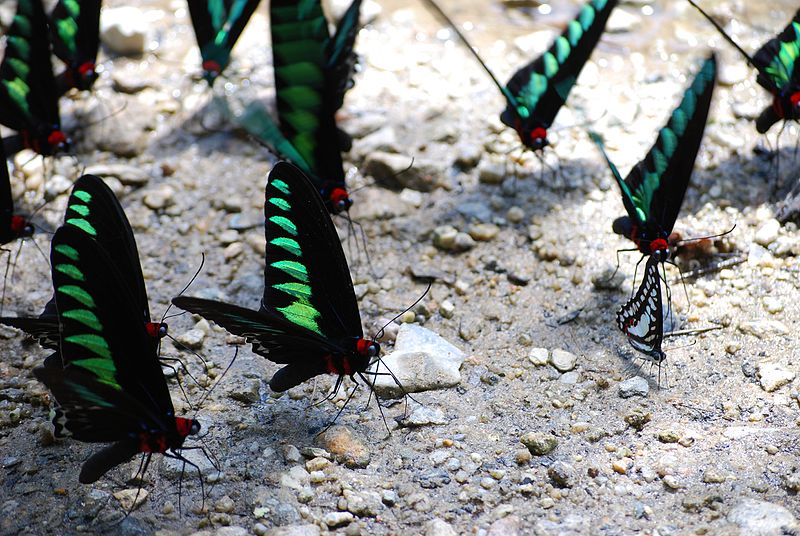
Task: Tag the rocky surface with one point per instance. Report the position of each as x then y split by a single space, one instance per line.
547 425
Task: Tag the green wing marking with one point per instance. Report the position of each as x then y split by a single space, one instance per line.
76 306
286 271
627 195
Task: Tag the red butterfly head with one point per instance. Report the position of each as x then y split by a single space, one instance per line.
659 249
367 348
537 139
156 330
211 70
339 200
186 427
20 226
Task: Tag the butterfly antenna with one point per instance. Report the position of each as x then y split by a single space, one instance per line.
189 284
727 37
118 111
695 331
219 379
176 342
437 11
380 332
682 242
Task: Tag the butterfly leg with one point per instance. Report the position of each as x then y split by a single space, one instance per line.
636 271
377 400
139 475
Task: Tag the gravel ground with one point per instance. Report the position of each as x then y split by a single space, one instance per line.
552 427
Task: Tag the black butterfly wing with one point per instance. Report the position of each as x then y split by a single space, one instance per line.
640 319
341 58
102 333
306 278
540 88
6 200
217 26
94 209
28 96
656 185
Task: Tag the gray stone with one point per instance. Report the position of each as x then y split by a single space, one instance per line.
444 237
463 242
124 133
539 443
192 339
636 386
337 519
507 526
346 446
124 30
231 531
173 469
294 530
439 527
423 415
386 168
562 474
421 361
56 185
761 518
128 175
246 390
364 503
764 328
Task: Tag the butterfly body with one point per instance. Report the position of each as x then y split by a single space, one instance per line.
217 26
537 91
74 31
653 191
640 319
308 319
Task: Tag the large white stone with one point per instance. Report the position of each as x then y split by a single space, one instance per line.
123 30
421 361
761 518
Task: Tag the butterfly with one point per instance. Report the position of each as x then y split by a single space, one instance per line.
217 25
93 209
640 319
75 34
654 189
313 71
537 91
110 386
28 93
778 71
309 319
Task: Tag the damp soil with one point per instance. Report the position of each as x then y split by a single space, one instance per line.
707 435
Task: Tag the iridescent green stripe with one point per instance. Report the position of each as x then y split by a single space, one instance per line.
289 244
67 251
280 203
83 195
78 294
280 185
83 225
302 314
85 317
292 268
298 290
285 224
71 271
82 210
102 368
90 341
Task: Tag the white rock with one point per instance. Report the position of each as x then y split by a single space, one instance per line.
337 519
421 361
761 518
294 530
636 386
123 30
764 328
131 499
621 21
192 339
773 376
767 233
562 360
56 185
539 356
422 415
439 527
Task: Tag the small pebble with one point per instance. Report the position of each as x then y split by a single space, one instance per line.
562 360
337 519
444 237
483 232
636 386
767 233
539 356
539 443
562 474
